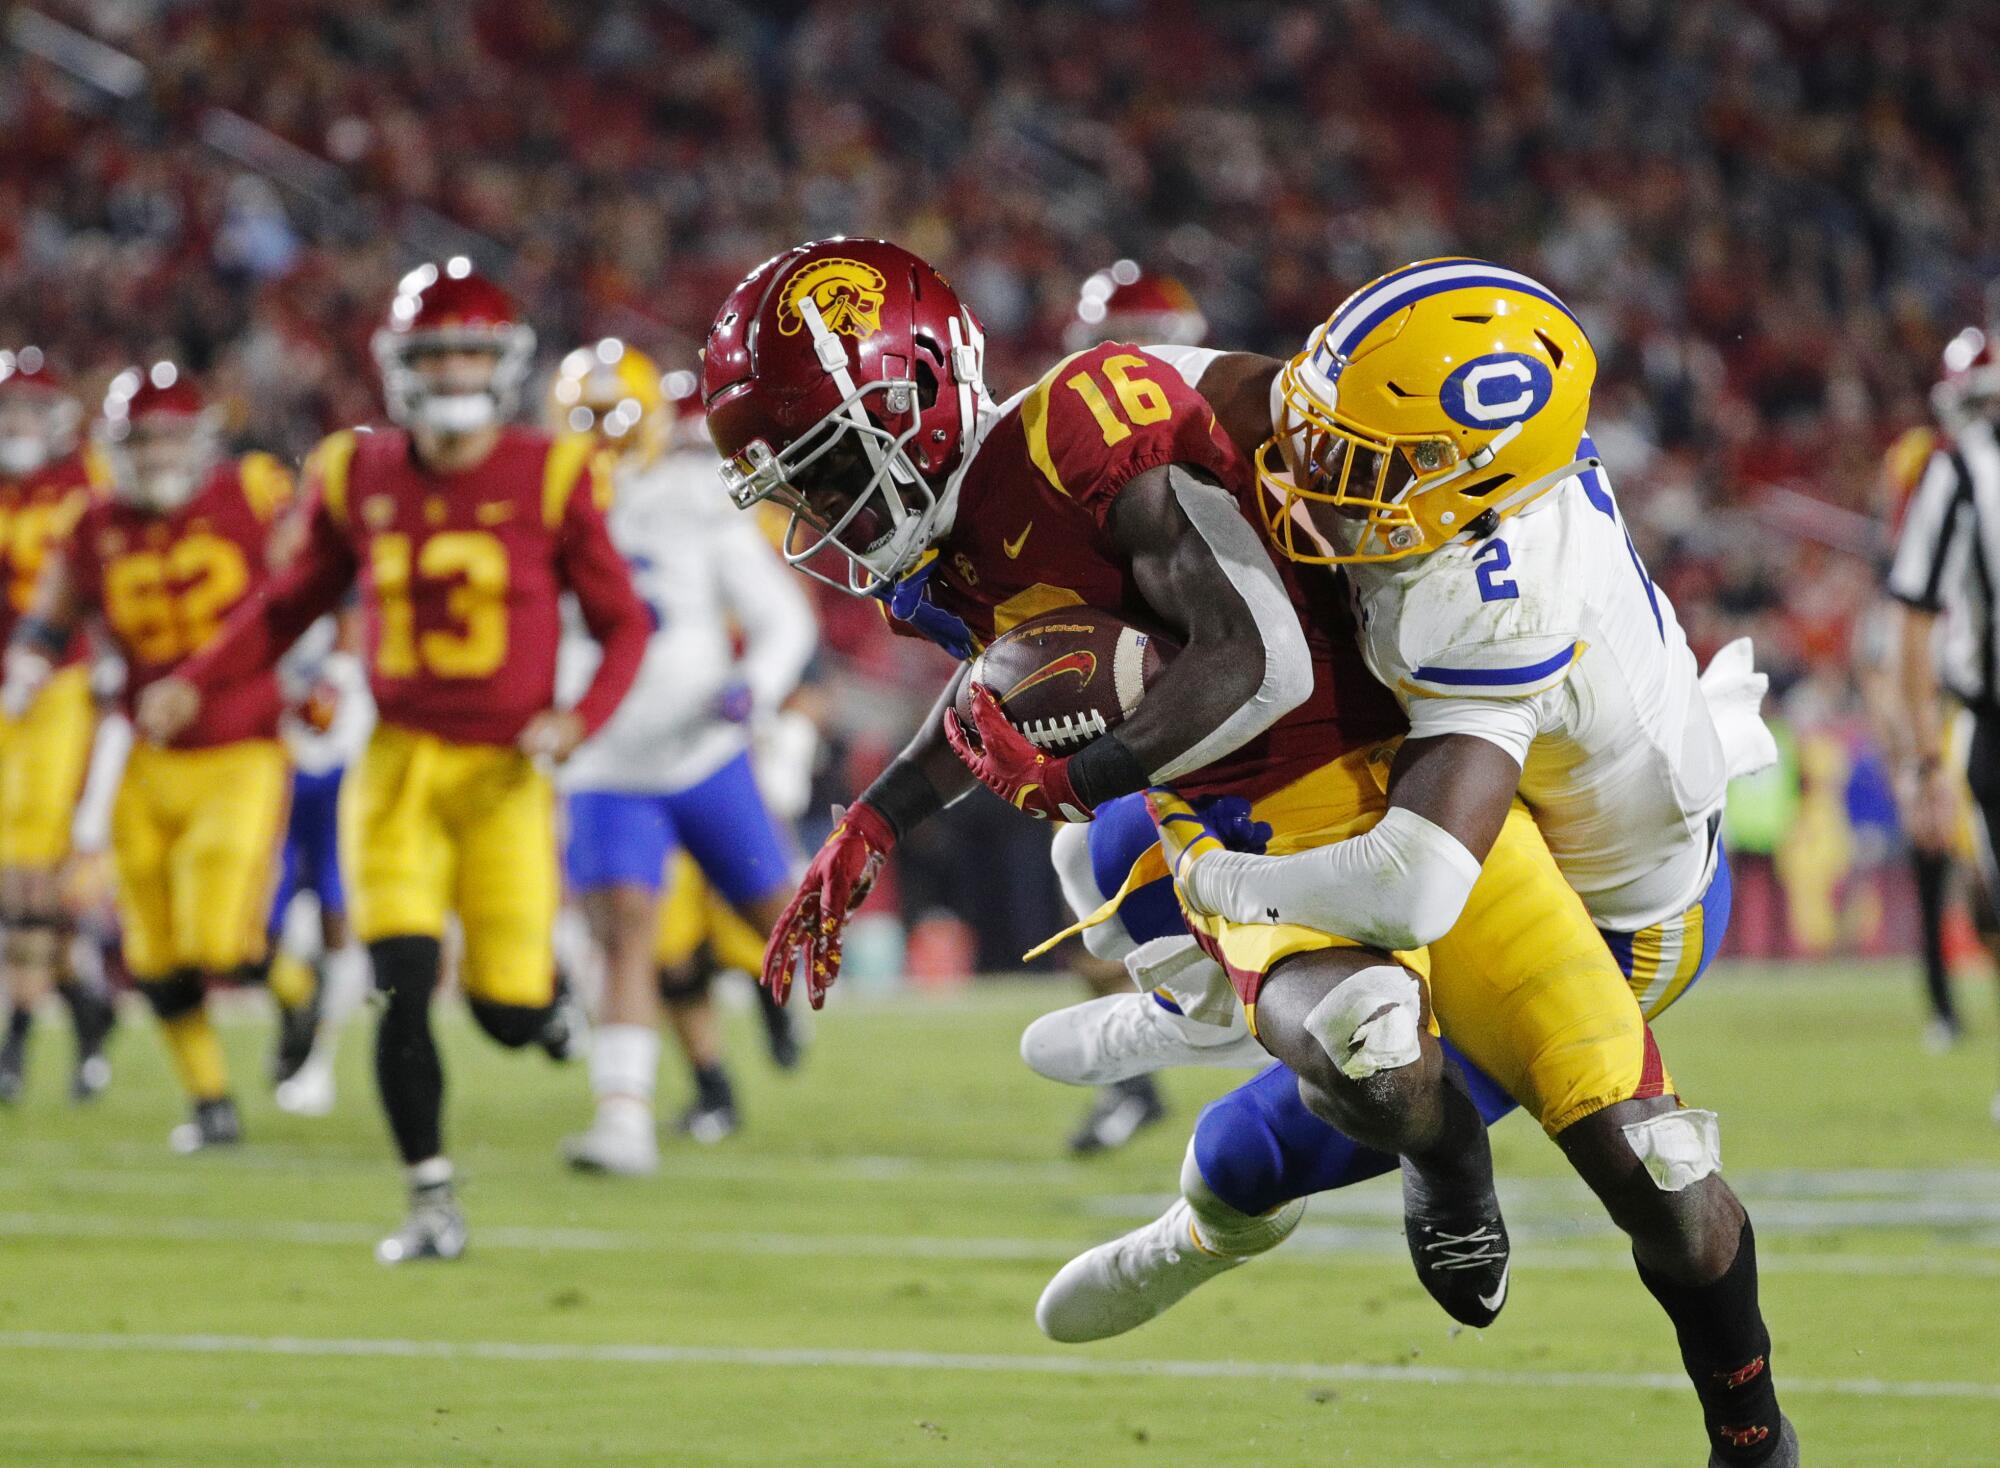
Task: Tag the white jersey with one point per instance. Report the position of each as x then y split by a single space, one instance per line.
702 568
1550 640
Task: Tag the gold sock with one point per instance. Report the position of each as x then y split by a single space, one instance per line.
196 1051
292 982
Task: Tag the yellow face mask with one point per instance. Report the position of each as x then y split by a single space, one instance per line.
1443 396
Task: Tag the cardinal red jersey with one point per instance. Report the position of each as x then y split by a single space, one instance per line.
164 584
460 575
36 512
1031 535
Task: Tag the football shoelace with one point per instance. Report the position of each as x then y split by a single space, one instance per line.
1466 1251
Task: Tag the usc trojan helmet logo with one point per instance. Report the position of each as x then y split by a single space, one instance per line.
846 293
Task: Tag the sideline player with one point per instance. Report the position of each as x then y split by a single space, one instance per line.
158 562
844 381
461 532
43 487
1123 303
326 725
1501 597
671 769
1942 572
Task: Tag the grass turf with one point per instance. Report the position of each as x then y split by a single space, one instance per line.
852 1280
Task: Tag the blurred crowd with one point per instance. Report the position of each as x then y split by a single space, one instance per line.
1770 213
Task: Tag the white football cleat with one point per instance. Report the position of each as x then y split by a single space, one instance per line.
614 1147
1103 1041
309 1092
1121 1285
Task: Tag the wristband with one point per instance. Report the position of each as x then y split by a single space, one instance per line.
1105 769
904 797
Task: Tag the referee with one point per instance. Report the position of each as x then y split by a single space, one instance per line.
1947 556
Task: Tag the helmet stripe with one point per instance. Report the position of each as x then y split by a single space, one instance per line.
1352 323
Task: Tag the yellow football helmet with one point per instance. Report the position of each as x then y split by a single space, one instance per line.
1446 395
612 389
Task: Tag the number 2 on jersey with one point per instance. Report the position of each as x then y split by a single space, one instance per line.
1143 400
1493 558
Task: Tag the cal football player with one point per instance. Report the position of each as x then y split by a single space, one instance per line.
157 562
844 380
461 532
1431 439
671 769
43 487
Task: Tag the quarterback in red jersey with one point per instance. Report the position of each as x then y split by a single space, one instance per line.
43 752
461 532
158 561
844 380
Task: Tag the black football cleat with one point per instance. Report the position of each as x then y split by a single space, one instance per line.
1786 1455
298 1028
213 1124
1121 1112
566 1032
781 1034
435 1228
1460 1247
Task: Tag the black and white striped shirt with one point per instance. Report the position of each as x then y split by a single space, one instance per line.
1946 556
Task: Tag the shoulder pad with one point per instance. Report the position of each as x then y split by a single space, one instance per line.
1101 416
327 466
266 484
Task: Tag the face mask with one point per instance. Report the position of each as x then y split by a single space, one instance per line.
22 454
458 412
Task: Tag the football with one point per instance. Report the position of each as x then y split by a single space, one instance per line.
1065 677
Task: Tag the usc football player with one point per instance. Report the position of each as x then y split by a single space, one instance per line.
43 486
844 380
157 562
461 532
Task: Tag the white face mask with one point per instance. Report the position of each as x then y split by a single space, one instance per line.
22 454
465 412
166 490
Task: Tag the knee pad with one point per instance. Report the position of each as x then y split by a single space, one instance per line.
179 993
513 1025
685 985
1371 1022
1677 1148
1223 1228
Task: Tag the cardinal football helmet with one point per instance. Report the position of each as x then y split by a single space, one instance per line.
844 380
159 438
451 309
614 390
1440 398
38 414
1126 304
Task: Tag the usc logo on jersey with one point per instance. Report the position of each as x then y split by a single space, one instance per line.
847 294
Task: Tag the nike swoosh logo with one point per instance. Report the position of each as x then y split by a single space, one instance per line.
1081 662
1499 1296
1013 547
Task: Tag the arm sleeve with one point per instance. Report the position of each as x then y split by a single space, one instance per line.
1920 573
778 627
1288 668
258 632
1510 723
594 571
1397 886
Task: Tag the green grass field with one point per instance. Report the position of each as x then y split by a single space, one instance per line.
852 1280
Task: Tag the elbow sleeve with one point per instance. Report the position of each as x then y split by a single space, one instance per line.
1397 886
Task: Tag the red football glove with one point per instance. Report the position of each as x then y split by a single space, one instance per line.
842 871
1012 768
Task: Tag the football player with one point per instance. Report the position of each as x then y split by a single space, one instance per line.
844 380
43 487
1123 303
1431 440
461 532
157 562
671 770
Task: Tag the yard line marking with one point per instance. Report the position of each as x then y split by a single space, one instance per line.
1310 1242
993 1363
